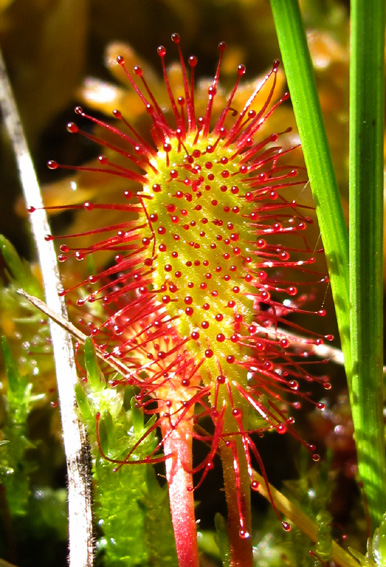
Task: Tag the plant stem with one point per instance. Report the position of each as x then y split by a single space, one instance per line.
304 97
366 246
240 548
178 443
237 482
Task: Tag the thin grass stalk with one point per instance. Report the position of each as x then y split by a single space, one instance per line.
367 98
304 96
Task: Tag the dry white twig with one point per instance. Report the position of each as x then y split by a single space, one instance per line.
79 488
76 334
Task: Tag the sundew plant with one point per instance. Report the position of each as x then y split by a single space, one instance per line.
193 273
189 303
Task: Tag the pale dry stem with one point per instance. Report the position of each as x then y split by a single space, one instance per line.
81 549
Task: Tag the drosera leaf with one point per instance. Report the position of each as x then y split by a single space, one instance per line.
199 320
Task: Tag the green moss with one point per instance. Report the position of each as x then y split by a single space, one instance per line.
130 505
14 465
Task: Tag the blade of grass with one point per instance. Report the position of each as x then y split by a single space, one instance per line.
301 82
366 246
365 394
79 489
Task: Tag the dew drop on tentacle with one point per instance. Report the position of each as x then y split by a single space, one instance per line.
244 534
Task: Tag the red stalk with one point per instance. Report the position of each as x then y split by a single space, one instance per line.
178 443
237 493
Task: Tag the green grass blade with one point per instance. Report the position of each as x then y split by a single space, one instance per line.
304 97
366 246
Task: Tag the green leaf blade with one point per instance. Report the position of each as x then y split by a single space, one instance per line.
366 246
302 86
